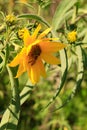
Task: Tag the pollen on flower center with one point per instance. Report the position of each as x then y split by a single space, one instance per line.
34 53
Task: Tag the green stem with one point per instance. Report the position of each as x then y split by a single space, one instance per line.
39 10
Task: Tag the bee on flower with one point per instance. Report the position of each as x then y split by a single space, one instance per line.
37 48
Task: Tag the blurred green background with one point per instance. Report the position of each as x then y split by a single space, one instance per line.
73 116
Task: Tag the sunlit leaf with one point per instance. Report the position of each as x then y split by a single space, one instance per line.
61 11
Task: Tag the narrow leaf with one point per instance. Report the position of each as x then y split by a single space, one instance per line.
25 93
61 11
3 62
78 79
4 58
35 17
11 116
26 4
6 54
64 68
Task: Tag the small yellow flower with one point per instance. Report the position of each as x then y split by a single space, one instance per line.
21 33
23 1
11 19
72 36
37 48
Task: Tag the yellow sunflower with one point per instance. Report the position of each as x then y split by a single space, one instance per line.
37 49
23 1
72 36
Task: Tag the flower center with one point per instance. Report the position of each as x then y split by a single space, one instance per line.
34 53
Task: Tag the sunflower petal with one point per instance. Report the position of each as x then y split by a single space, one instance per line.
27 38
49 58
41 67
20 70
34 35
50 39
35 72
29 71
15 61
44 33
51 47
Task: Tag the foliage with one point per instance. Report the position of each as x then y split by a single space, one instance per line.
59 101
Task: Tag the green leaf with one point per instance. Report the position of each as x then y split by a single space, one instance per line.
64 68
85 39
35 17
25 93
79 77
1 65
2 15
6 54
45 4
61 11
4 58
26 4
11 116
